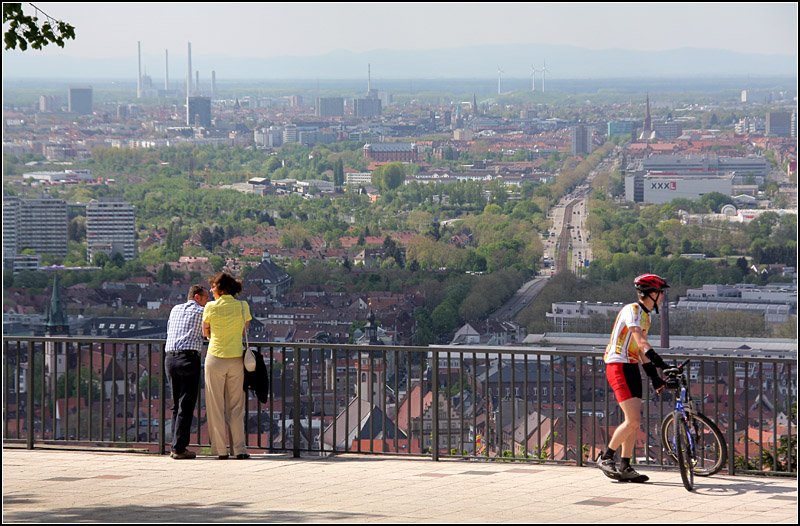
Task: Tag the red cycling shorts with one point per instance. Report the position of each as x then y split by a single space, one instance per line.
625 379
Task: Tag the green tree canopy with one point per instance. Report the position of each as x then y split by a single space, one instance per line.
23 30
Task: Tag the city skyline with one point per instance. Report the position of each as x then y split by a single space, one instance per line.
299 40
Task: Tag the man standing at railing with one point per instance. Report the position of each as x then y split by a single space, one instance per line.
627 348
184 342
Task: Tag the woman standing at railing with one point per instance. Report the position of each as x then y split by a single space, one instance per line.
224 323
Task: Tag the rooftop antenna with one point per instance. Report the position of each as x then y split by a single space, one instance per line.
499 75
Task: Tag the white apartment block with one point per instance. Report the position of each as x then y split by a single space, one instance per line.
111 228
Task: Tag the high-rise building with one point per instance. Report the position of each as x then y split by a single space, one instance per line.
36 224
11 212
330 107
198 111
779 123
367 107
581 140
111 228
80 100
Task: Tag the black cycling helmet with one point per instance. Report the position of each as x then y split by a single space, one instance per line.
650 283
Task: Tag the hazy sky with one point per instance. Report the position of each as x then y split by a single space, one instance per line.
105 30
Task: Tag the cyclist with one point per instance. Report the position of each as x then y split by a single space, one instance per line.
627 348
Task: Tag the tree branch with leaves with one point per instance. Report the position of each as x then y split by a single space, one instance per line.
23 30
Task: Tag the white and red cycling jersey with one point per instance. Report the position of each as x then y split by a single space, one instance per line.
622 347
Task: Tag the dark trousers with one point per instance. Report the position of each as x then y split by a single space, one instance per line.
184 375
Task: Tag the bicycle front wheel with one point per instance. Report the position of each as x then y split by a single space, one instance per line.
710 449
683 444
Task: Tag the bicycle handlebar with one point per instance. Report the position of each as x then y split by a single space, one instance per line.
678 369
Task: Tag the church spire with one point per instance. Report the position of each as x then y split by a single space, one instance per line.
57 323
648 123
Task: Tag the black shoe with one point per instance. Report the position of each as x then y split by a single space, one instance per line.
608 467
223 457
631 475
184 455
242 456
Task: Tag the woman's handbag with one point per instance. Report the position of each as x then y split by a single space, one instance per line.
249 356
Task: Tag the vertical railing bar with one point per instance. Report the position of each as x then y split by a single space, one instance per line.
593 369
461 382
296 402
760 416
789 449
284 381
579 410
348 358
513 406
360 396
78 408
449 408
487 393
565 363
731 416
385 366
310 398
67 397
475 405
499 423
775 438
91 395
372 400
397 397
271 397
552 410
137 387
435 408
527 412
746 408
126 394
30 413
539 404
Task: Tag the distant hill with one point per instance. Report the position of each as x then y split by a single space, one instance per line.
563 62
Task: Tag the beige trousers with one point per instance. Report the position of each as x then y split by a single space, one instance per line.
225 402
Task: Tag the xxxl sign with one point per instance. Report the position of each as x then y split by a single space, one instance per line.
670 185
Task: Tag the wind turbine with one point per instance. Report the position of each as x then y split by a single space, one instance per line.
499 74
544 70
533 78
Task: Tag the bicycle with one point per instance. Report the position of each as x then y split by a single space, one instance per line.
696 443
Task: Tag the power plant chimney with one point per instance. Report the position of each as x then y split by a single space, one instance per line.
369 79
189 76
166 69
139 77
213 84
197 81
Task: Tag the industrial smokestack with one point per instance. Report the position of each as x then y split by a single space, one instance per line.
197 82
369 79
189 75
139 76
214 84
166 69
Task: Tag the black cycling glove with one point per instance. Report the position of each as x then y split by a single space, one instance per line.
655 379
656 359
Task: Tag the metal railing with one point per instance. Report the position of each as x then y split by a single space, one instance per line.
476 403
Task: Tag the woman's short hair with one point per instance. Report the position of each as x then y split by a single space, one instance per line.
226 284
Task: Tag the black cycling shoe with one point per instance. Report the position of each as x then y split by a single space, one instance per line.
608 467
631 475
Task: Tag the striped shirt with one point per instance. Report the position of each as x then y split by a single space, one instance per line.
622 347
185 327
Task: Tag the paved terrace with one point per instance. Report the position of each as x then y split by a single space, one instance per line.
80 486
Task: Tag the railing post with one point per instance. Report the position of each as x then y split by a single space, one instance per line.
579 409
162 398
296 415
30 414
731 418
435 408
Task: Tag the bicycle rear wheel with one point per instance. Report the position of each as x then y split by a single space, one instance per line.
683 445
711 452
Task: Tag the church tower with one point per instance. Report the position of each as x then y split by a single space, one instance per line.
56 325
